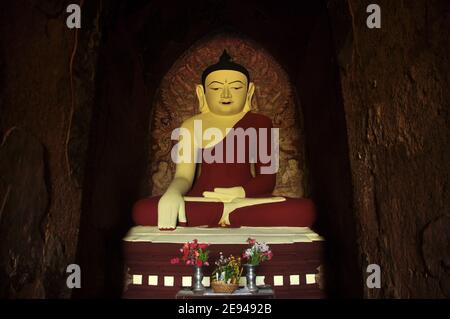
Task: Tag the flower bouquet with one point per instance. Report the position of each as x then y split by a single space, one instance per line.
226 275
193 254
257 252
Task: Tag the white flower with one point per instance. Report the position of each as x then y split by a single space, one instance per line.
264 247
260 247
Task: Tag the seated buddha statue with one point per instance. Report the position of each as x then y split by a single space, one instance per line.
235 150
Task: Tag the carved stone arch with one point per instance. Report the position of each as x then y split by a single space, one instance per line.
176 101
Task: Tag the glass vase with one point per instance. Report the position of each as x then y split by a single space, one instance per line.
197 285
251 278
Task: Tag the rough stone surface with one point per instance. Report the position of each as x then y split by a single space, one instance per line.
395 84
24 201
436 252
35 52
83 84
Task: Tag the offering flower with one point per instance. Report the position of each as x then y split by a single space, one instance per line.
228 270
193 253
257 252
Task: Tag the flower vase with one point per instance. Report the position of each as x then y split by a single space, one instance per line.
197 285
251 278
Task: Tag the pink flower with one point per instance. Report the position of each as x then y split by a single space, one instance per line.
174 261
268 254
206 263
188 262
247 253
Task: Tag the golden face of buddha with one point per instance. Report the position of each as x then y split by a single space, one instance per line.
227 92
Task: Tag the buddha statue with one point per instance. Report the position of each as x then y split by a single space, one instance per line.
235 150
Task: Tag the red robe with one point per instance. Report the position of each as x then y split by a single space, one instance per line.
292 212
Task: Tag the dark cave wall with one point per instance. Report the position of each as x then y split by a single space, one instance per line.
117 157
328 162
395 84
44 144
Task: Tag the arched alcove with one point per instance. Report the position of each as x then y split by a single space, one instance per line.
176 101
145 55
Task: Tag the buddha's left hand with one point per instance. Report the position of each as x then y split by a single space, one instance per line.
226 195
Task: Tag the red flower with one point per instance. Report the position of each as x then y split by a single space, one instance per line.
185 253
268 254
191 252
251 241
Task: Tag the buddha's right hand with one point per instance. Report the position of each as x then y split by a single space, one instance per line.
170 208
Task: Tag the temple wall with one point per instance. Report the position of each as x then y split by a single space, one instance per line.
44 123
326 144
395 92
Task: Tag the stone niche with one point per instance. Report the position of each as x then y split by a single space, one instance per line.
274 97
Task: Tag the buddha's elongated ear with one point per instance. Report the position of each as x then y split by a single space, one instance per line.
248 102
202 105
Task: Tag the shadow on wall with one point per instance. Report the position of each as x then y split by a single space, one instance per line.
328 161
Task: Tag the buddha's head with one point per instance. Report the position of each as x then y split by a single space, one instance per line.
226 88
